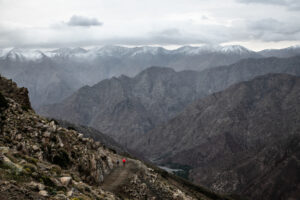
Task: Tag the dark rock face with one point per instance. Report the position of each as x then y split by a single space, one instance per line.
242 140
126 108
9 88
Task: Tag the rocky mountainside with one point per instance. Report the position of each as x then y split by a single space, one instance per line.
94 134
41 160
245 139
50 76
127 108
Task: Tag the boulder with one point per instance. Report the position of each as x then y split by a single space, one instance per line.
65 180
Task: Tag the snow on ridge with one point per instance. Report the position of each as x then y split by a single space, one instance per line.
118 51
149 50
234 49
191 50
22 54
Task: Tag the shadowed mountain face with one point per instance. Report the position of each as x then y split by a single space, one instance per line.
244 139
126 108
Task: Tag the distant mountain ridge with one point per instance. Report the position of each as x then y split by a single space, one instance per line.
119 51
52 75
126 108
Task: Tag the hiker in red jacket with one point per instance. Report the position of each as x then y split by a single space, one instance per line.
124 162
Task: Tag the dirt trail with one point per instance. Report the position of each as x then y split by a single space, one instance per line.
119 176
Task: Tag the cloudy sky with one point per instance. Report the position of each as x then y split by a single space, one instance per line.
256 24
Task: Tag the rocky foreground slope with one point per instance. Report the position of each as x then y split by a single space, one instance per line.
40 160
127 108
245 139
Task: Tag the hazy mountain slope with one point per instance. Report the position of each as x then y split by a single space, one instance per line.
40 160
46 81
125 108
281 53
244 139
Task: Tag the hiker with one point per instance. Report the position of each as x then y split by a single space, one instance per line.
118 162
124 162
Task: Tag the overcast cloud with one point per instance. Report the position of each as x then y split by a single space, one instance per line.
83 21
290 4
256 24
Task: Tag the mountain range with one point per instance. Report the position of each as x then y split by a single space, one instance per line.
52 75
127 108
233 128
242 140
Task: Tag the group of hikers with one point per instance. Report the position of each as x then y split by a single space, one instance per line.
124 162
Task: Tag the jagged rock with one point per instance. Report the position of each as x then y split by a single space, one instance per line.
19 137
36 186
70 193
7 162
4 150
47 134
35 148
60 197
65 180
43 193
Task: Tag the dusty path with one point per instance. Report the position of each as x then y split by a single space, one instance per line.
119 176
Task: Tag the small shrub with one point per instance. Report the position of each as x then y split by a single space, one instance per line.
47 181
3 102
71 128
11 157
62 159
27 170
30 166
56 169
51 191
77 198
31 160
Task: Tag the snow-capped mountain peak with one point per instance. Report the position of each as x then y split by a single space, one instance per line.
149 50
66 52
234 49
22 54
111 50
191 50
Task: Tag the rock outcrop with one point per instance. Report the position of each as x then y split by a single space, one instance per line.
20 95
